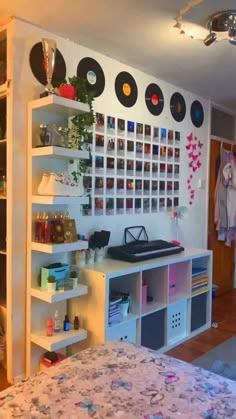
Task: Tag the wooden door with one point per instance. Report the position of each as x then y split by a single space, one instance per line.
223 256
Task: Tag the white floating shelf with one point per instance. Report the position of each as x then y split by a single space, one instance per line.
59 152
58 340
57 296
3 252
59 105
60 200
3 141
3 90
59 248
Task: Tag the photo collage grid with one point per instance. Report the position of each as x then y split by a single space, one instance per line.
134 168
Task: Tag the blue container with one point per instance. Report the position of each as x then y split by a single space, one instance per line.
61 275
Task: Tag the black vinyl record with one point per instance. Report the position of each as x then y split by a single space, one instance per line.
126 89
154 99
197 114
90 70
36 60
178 107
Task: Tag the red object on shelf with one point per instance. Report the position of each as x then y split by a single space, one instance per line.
46 364
67 91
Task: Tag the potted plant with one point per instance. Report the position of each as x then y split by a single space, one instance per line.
74 278
67 90
52 283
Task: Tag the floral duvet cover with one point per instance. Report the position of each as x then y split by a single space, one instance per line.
119 380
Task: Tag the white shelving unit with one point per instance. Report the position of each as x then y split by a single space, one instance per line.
42 304
172 314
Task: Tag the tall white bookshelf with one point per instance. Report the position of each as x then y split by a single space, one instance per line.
6 204
42 304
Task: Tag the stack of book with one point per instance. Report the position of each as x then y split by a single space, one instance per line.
114 315
199 280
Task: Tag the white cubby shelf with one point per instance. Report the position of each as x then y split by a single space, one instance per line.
170 315
59 248
58 340
60 200
54 297
59 153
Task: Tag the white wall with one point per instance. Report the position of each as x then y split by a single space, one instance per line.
193 228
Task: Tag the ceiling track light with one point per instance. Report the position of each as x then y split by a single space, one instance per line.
224 21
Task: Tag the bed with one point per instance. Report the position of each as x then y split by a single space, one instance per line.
119 380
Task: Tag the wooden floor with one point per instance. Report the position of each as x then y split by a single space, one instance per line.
224 313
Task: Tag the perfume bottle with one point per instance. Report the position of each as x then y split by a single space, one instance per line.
37 227
57 324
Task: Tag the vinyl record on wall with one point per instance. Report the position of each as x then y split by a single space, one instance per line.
90 70
197 114
126 89
154 99
178 107
36 60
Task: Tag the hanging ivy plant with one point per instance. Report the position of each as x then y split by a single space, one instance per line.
81 124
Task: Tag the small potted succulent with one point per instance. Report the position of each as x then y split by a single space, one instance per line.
74 278
52 283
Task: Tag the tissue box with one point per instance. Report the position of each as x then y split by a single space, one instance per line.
61 274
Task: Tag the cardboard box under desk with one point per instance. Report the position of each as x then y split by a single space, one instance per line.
61 275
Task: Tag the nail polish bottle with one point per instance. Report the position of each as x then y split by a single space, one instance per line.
49 327
76 323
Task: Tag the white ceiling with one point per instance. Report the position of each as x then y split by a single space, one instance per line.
141 33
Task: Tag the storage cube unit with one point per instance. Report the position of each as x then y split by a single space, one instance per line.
162 312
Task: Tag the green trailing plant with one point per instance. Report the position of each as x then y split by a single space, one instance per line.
82 167
51 279
80 132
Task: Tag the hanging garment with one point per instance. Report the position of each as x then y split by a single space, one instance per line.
229 175
225 198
